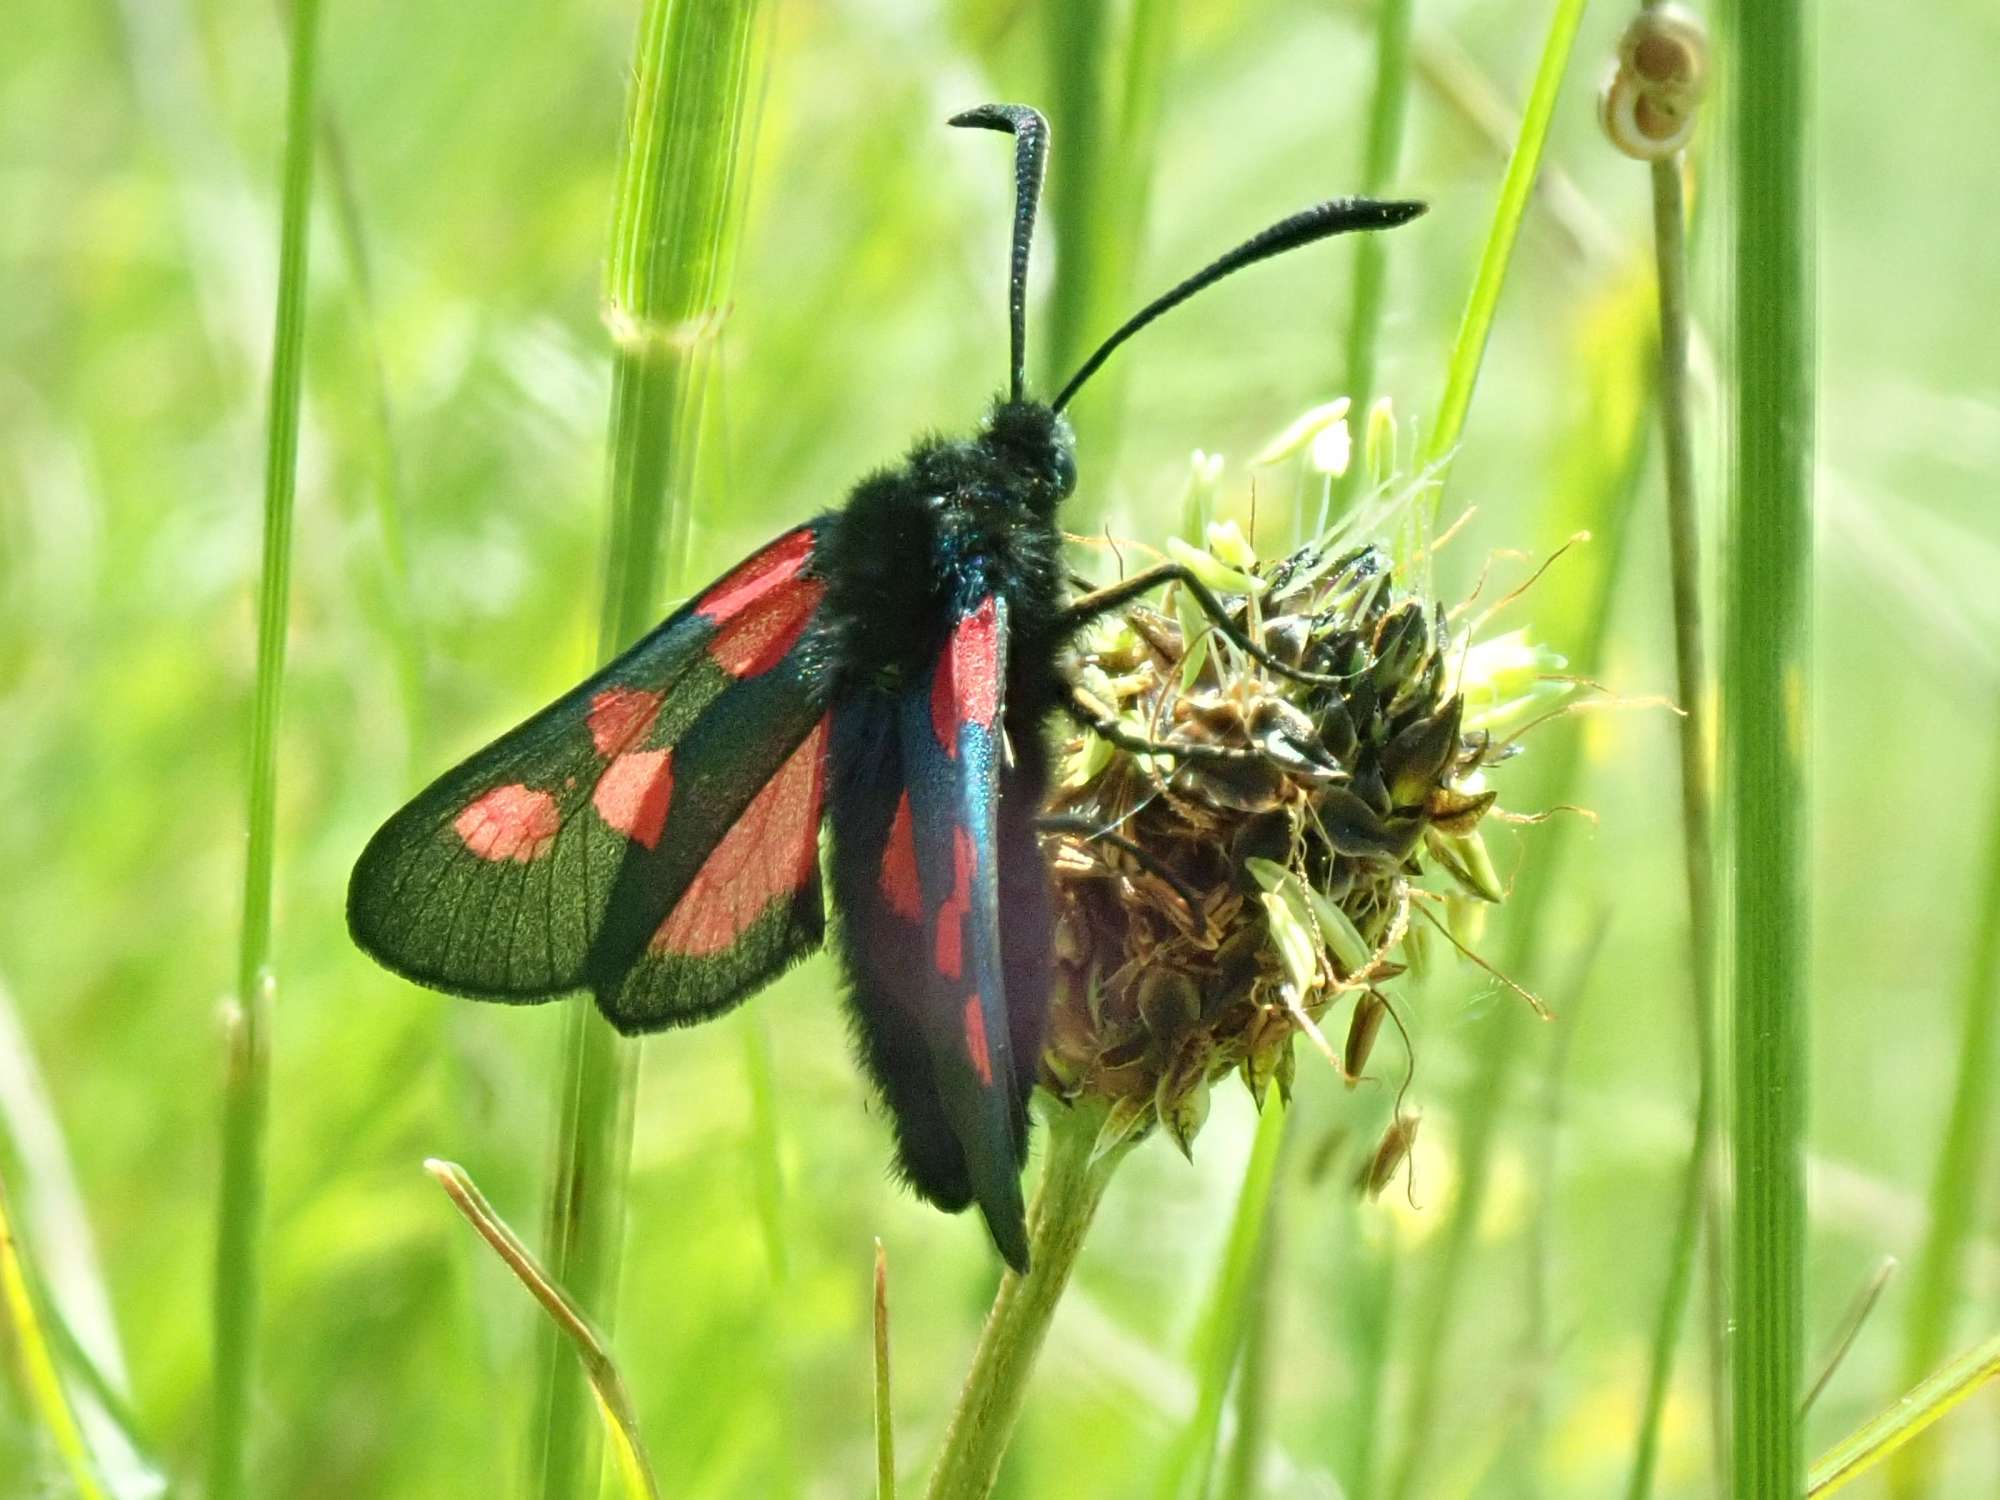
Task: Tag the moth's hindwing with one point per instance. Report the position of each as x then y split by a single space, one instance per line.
916 808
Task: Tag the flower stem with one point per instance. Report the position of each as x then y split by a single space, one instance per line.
1065 1204
247 1068
1767 720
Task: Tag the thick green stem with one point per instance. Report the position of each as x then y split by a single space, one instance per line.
1767 672
247 1066
1066 1202
1697 810
665 285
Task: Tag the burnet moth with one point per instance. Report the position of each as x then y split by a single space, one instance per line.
888 668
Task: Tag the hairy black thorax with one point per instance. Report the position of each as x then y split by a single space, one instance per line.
919 544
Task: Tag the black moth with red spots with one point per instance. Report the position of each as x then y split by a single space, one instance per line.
653 836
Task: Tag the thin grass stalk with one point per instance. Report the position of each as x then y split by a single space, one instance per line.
1073 1182
1766 727
885 1419
614 1401
1379 162
1697 804
1963 1161
1516 183
1892 1430
664 288
1219 1336
1575 608
247 1057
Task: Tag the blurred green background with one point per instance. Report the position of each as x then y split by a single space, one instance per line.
456 397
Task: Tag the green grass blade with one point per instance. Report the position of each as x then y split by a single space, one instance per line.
571 1324
1963 1158
1469 348
1888 1433
1766 722
246 1085
31 1348
665 284
1077 34
1219 1336
1380 160
1242 1475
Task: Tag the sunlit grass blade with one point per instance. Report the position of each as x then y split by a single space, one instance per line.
246 1075
1219 1335
614 1402
1766 726
1964 1157
666 281
1594 490
31 1348
1469 347
885 1411
69 1287
1931 1401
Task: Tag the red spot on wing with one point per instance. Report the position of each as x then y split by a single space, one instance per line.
510 822
633 794
777 565
768 853
949 949
965 689
756 637
620 716
899 884
975 1041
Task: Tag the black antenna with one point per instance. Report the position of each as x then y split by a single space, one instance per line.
1336 216
1031 149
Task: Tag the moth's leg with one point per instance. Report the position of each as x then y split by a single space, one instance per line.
1088 607
1088 829
1092 715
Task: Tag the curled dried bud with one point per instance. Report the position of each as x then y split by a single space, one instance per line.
1649 103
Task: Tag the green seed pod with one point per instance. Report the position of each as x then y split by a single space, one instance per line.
1369 1013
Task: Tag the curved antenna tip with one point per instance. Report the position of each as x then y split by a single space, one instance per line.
994 116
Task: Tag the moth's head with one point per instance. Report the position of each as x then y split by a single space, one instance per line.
1035 445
